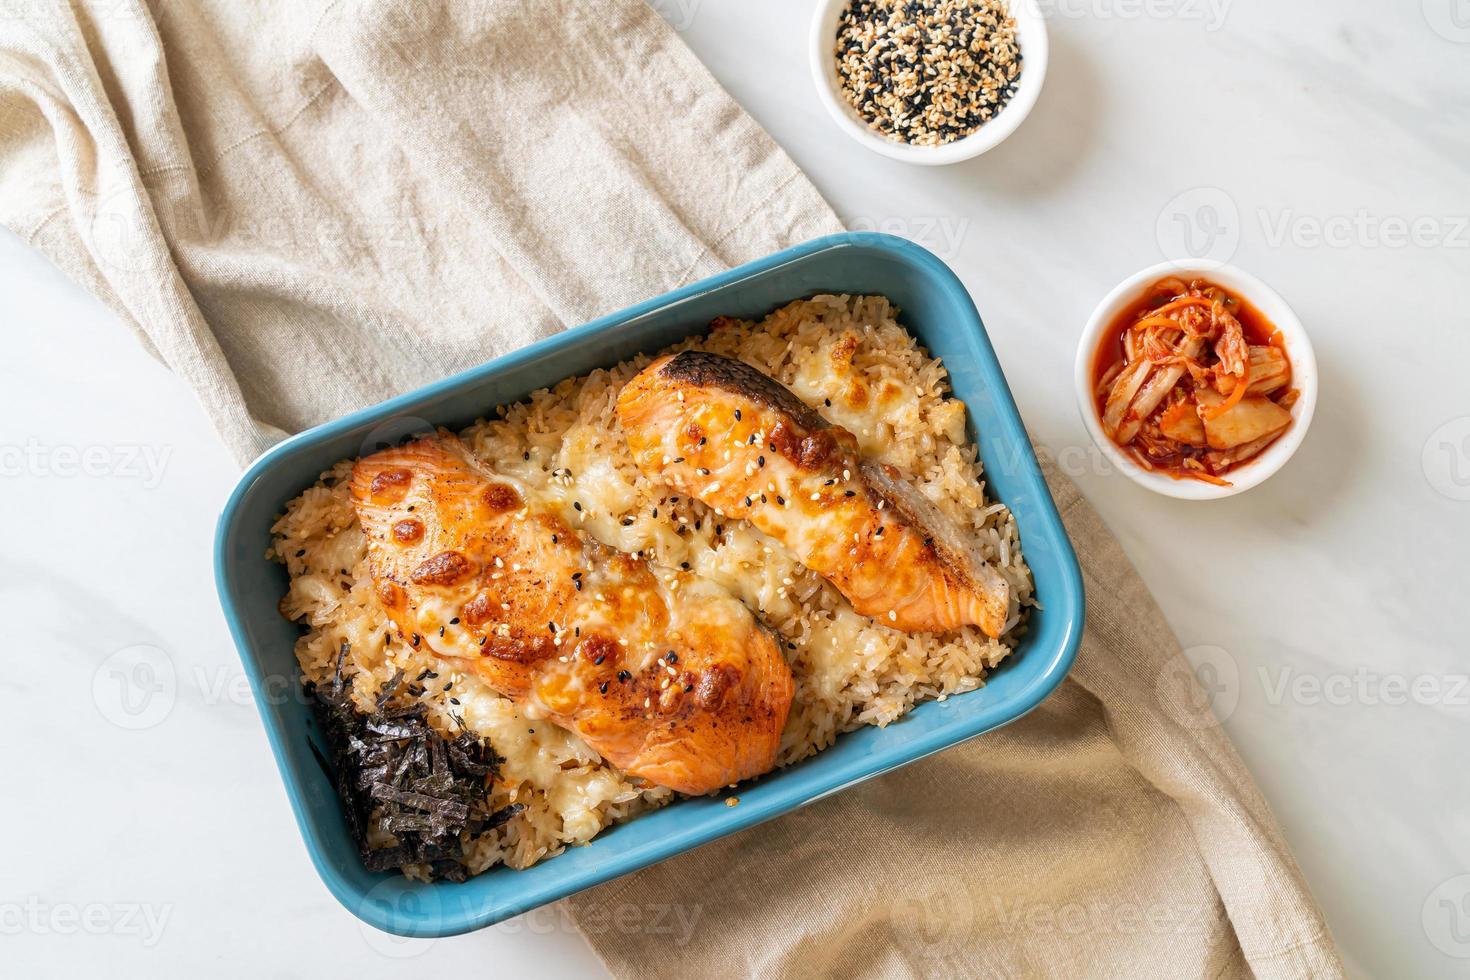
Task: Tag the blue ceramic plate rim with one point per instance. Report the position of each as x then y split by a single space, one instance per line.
1066 601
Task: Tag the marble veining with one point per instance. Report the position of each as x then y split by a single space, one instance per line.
1320 146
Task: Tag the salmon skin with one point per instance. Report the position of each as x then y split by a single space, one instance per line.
725 433
663 673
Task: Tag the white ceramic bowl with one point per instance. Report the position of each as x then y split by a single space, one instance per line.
1298 350
1030 35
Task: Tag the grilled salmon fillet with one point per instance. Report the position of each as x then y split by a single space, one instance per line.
664 674
727 434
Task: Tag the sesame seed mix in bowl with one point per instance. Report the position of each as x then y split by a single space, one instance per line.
927 72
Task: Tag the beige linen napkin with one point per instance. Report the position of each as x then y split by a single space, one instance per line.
303 208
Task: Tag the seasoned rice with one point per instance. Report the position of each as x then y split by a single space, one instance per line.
846 356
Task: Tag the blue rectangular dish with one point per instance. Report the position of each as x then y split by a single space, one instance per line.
935 308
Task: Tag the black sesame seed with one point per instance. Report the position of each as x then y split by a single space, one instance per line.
927 71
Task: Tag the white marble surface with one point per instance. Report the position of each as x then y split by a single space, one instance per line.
1323 144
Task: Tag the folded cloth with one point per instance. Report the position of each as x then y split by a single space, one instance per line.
305 208
1112 832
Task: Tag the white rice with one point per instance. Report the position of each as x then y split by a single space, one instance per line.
844 355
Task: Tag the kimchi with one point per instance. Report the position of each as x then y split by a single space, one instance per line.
1192 381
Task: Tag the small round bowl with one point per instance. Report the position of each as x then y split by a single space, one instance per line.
1030 36
1298 350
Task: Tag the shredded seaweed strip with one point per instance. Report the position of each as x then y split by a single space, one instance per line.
421 794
